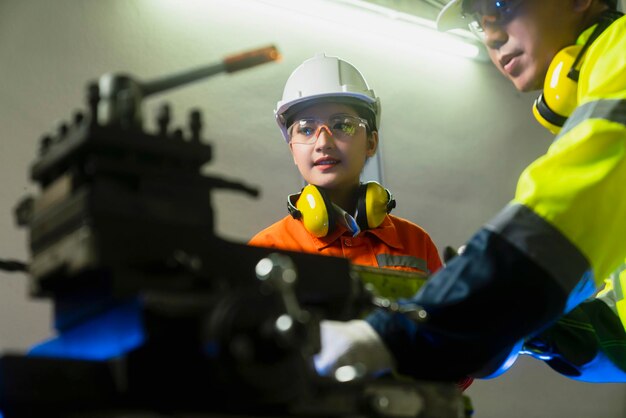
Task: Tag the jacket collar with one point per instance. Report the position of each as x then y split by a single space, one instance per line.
386 232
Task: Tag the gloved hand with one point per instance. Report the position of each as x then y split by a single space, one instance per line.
351 343
449 253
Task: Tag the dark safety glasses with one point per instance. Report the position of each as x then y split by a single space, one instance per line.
492 12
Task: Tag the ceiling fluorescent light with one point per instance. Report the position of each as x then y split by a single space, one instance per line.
385 23
460 42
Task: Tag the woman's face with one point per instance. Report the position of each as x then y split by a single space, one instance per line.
331 161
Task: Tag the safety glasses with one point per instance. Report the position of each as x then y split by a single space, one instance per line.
307 130
488 12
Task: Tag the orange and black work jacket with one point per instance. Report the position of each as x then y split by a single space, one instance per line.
395 244
543 254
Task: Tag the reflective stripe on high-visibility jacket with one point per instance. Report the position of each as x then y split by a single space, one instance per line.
563 233
610 110
534 235
394 260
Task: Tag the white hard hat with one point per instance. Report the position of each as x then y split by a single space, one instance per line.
451 16
323 77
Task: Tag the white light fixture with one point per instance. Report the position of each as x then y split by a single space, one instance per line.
386 23
461 43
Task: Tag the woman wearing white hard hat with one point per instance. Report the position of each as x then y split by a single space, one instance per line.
330 117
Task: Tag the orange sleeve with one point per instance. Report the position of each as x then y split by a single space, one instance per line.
434 260
286 234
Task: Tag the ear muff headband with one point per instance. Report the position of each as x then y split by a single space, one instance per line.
312 206
373 204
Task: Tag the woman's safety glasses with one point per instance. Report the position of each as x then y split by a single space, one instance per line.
306 130
488 12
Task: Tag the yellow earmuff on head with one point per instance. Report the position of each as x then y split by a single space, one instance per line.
560 91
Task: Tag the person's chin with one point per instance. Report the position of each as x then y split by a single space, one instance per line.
325 182
528 80
525 84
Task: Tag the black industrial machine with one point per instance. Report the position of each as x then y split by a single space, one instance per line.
156 315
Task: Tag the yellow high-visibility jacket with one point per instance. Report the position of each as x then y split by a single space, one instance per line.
545 253
585 201
577 188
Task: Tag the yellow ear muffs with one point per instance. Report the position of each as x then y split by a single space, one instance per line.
560 96
560 90
312 206
319 214
374 202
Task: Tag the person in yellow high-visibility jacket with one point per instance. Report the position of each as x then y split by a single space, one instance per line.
525 278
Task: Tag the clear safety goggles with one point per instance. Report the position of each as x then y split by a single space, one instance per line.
307 130
488 12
